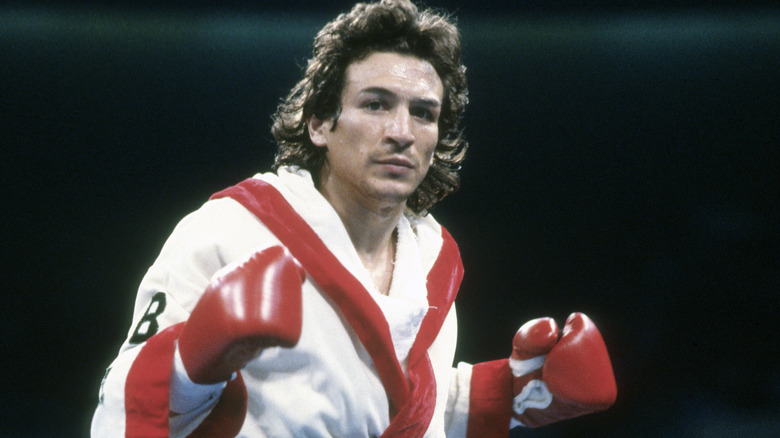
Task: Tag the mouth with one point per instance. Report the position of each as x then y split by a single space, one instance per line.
396 162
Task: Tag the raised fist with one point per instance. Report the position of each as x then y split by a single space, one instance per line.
556 379
245 309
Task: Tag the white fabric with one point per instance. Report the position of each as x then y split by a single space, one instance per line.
326 385
458 408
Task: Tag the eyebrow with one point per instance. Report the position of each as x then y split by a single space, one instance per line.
384 92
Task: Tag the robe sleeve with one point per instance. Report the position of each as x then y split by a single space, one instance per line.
135 395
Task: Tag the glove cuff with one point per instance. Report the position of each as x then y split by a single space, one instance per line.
490 404
522 367
187 395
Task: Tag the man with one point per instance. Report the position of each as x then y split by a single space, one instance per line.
317 300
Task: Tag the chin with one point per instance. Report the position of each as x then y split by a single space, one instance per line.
393 196
393 190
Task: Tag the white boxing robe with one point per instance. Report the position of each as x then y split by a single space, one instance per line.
350 373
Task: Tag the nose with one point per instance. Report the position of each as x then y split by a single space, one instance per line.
399 128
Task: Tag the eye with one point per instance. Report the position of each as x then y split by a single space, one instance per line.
423 113
374 105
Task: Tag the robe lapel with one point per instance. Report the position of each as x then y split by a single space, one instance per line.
412 401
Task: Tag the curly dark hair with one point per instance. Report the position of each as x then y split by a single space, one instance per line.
387 26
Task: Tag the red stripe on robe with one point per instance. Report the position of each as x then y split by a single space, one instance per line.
147 394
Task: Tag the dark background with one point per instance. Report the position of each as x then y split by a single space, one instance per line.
624 162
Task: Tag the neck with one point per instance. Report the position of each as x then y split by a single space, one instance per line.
372 232
374 239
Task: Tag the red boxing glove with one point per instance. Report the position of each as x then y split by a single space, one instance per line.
244 310
559 379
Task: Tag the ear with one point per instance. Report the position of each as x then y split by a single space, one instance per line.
317 129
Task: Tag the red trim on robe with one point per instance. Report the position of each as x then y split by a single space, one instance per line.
412 402
147 394
443 282
147 387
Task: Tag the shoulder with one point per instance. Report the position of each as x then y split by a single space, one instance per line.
218 220
220 231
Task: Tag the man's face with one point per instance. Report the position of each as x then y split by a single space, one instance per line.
384 140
